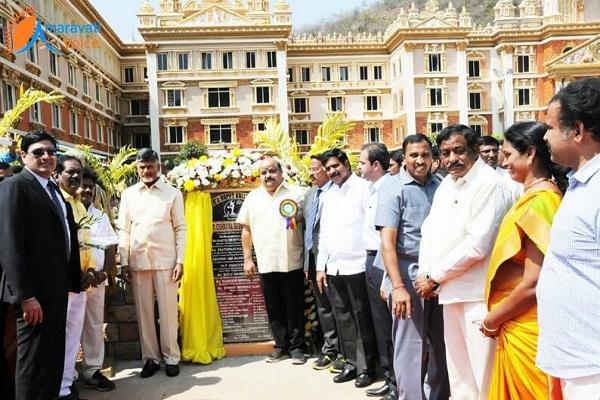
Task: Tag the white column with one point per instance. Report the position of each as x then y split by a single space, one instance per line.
509 98
461 70
153 102
409 93
282 88
496 94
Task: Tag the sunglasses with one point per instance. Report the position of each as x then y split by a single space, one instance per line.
37 153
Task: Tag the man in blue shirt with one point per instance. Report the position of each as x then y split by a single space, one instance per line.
404 203
568 289
11 155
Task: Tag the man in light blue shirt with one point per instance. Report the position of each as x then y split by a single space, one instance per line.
568 290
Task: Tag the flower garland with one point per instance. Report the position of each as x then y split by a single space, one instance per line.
224 169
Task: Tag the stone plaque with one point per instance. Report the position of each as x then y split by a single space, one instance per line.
240 300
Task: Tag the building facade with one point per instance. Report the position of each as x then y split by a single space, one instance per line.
216 70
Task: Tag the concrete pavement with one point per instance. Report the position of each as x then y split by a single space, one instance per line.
231 378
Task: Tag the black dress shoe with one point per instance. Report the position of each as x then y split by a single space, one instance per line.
172 370
149 369
346 375
363 380
392 395
382 391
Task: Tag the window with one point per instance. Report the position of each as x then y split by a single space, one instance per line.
140 140
523 64
363 72
71 77
434 63
54 70
263 95
175 134
372 103
220 134
524 97
325 74
139 107
301 136
478 129
474 69
378 72
373 135
85 81
436 127
300 105
35 112
305 74
399 67
206 60
99 133
182 61
88 128
336 104
56 116
290 74
98 93
128 74
228 60
108 99
73 122
435 97
32 54
174 98
162 61
251 59
261 126
9 97
271 59
344 74
475 101
145 72
219 97
3 26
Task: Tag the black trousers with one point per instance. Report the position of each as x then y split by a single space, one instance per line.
331 345
382 320
7 381
350 301
284 300
41 352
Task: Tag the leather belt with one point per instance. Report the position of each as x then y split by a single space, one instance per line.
372 253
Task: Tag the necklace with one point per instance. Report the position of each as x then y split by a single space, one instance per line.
536 182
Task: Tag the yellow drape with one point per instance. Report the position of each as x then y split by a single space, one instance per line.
199 318
515 375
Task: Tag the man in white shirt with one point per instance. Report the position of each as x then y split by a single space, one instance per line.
342 251
373 164
104 240
457 240
271 218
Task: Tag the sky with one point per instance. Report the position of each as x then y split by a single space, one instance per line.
120 14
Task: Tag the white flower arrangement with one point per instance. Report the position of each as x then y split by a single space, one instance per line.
230 169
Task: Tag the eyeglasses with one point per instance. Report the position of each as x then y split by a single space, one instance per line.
37 153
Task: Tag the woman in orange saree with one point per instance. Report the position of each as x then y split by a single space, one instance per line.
515 265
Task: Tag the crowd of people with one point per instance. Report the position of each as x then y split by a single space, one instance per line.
434 267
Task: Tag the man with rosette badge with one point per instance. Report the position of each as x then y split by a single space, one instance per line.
270 217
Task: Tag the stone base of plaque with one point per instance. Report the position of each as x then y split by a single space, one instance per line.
249 349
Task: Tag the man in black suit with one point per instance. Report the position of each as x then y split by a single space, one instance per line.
40 259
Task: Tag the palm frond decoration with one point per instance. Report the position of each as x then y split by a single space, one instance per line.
116 173
27 98
332 134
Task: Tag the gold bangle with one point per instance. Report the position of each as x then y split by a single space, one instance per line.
398 286
485 328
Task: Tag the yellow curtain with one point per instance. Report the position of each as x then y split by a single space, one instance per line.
199 318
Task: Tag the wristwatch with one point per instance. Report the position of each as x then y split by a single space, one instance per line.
430 281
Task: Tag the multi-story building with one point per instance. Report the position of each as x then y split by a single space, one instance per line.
216 70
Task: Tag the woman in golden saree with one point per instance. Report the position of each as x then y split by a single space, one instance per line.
516 262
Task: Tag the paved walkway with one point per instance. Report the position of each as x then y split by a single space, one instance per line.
231 378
